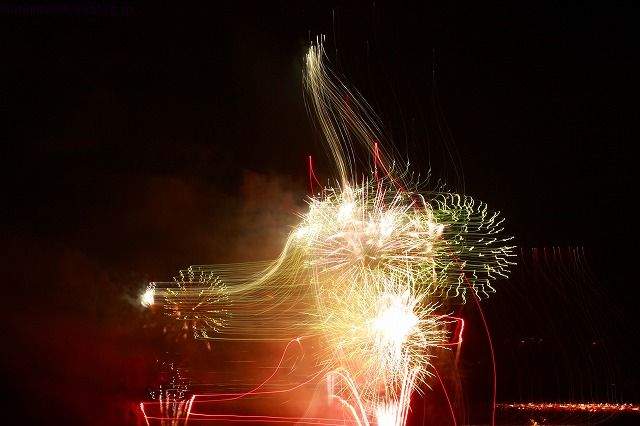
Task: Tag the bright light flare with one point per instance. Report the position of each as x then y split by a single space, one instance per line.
388 414
395 322
148 297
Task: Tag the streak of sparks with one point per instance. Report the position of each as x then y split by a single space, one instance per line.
602 407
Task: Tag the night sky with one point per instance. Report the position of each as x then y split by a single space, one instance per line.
137 144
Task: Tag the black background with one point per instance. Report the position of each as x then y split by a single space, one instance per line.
134 145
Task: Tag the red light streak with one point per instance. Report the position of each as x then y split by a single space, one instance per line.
312 177
446 394
486 329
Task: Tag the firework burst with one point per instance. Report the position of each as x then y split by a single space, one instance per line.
367 271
